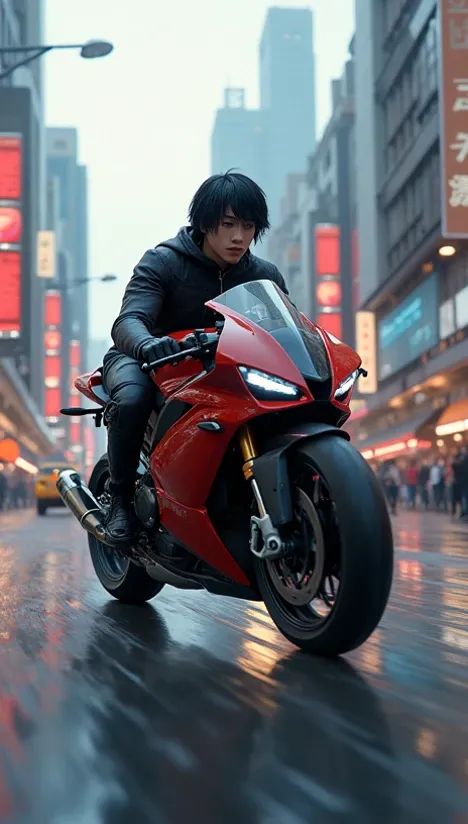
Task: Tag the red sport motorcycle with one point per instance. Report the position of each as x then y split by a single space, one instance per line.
247 485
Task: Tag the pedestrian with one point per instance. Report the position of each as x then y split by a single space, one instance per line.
3 490
436 484
457 482
392 482
423 483
464 482
412 484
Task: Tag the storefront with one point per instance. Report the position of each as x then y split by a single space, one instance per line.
21 422
421 354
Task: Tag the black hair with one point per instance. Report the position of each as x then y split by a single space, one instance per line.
231 190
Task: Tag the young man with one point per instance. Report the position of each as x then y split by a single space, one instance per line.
167 293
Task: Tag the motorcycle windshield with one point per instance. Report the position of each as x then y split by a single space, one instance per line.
262 302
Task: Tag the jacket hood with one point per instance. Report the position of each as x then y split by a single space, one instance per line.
184 244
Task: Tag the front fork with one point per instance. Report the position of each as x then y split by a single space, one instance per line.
272 545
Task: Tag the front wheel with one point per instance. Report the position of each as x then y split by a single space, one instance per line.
123 579
329 594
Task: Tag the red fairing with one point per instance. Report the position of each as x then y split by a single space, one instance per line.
343 361
186 460
84 384
185 463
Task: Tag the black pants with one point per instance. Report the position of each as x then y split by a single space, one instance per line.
133 397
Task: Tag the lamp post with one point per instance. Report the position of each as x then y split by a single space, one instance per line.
90 50
99 279
65 287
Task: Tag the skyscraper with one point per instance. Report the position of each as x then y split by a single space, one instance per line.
62 163
287 97
272 142
238 137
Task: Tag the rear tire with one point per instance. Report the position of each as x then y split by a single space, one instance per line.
41 508
365 542
122 578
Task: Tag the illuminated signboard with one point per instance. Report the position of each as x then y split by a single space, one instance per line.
410 330
10 291
10 167
327 250
53 309
10 225
10 235
53 397
328 287
52 341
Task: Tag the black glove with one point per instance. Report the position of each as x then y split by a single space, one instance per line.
158 348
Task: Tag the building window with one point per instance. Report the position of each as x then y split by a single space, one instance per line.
412 101
414 213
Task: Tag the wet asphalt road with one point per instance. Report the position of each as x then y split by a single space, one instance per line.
195 709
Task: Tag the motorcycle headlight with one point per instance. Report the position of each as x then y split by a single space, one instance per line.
346 385
267 387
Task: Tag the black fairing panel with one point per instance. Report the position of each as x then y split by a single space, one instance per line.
271 469
171 412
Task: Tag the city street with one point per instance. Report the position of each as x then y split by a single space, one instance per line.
194 709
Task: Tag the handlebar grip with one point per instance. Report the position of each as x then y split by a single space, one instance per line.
184 353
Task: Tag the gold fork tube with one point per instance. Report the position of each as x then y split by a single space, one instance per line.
248 449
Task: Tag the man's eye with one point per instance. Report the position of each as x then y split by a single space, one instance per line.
249 226
227 224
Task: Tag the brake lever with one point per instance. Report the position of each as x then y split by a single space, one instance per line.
174 359
206 342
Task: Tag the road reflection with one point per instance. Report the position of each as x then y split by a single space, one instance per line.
197 707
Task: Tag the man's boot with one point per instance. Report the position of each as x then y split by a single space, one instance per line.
119 519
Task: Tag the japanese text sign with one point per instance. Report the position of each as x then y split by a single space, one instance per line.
366 347
453 15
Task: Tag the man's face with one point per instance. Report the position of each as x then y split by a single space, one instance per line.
231 240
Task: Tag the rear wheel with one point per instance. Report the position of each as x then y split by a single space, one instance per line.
119 576
329 594
41 508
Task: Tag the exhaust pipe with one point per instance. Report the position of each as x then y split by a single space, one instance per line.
82 503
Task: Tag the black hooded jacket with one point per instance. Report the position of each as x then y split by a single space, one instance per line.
169 288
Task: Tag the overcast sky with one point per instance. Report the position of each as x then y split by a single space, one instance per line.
145 113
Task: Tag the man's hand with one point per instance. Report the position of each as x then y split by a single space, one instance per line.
164 347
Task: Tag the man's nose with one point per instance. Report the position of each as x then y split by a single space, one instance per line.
237 235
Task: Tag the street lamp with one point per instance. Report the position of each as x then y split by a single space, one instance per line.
79 282
101 278
89 50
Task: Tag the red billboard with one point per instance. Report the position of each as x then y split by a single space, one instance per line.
53 308
328 295
52 370
10 225
75 354
53 401
327 250
52 341
10 294
453 108
10 167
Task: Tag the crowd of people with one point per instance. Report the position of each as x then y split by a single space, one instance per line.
16 491
440 484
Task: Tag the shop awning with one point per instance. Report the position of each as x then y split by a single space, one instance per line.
400 438
453 419
21 418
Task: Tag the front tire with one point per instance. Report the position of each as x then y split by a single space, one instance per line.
41 508
122 579
358 534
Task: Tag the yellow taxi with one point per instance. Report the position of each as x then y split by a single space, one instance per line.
45 489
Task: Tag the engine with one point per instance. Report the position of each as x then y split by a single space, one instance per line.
145 502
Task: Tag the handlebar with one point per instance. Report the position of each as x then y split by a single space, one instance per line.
195 352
